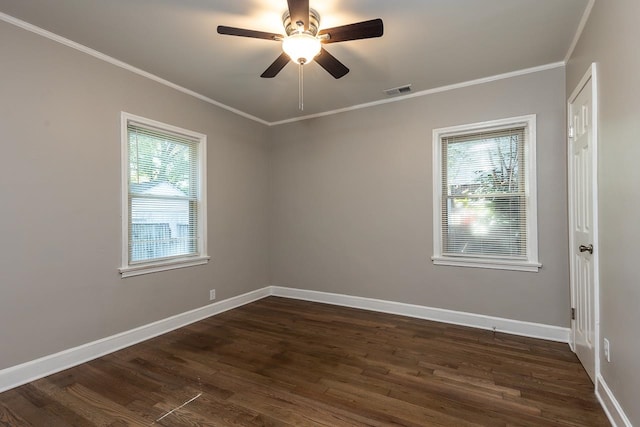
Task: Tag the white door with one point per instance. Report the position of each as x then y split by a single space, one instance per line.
582 222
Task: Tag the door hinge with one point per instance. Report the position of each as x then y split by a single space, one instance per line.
573 314
571 132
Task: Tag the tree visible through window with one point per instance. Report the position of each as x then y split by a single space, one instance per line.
485 195
484 201
164 206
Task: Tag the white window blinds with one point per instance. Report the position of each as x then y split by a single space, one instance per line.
163 194
484 200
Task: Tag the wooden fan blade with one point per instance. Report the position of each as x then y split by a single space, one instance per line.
277 65
334 67
299 12
359 30
232 31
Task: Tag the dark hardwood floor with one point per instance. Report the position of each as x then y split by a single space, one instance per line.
280 362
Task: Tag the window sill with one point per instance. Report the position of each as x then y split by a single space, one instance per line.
154 267
495 264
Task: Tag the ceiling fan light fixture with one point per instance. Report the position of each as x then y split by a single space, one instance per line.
301 47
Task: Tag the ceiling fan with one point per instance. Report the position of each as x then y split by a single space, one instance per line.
304 39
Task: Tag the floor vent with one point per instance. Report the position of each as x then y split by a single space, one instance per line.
400 90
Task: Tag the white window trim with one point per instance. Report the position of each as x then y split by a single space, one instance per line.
153 266
531 264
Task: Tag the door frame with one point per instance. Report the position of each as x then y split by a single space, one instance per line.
591 76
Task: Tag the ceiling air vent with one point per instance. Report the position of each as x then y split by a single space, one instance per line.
400 90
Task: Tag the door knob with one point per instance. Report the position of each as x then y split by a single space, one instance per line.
588 248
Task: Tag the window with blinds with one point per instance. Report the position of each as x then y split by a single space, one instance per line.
483 207
164 206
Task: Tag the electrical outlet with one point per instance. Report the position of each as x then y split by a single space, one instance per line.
607 350
212 294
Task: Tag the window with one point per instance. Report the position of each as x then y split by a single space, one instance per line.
163 197
485 195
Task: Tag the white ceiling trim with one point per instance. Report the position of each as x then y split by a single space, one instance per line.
82 48
581 25
427 92
99 55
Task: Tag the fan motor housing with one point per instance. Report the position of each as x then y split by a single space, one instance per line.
292 27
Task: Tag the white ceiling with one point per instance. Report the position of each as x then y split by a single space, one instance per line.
427 43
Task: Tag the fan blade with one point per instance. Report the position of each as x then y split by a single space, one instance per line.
232 31
334 67
299 12
277 65
359 30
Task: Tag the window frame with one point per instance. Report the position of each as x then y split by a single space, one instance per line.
531 264
137 268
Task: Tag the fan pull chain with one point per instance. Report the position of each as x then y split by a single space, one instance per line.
300 87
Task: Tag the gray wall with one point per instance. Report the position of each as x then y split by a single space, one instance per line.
351 207
611 39
338 204
60 210
348 197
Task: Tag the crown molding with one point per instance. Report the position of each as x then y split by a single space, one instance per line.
96 54
113 61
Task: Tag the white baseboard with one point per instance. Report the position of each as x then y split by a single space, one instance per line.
30 371
610 404
509 326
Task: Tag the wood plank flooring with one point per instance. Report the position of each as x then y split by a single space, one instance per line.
282 362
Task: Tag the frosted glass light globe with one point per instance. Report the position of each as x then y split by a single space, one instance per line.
301 47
